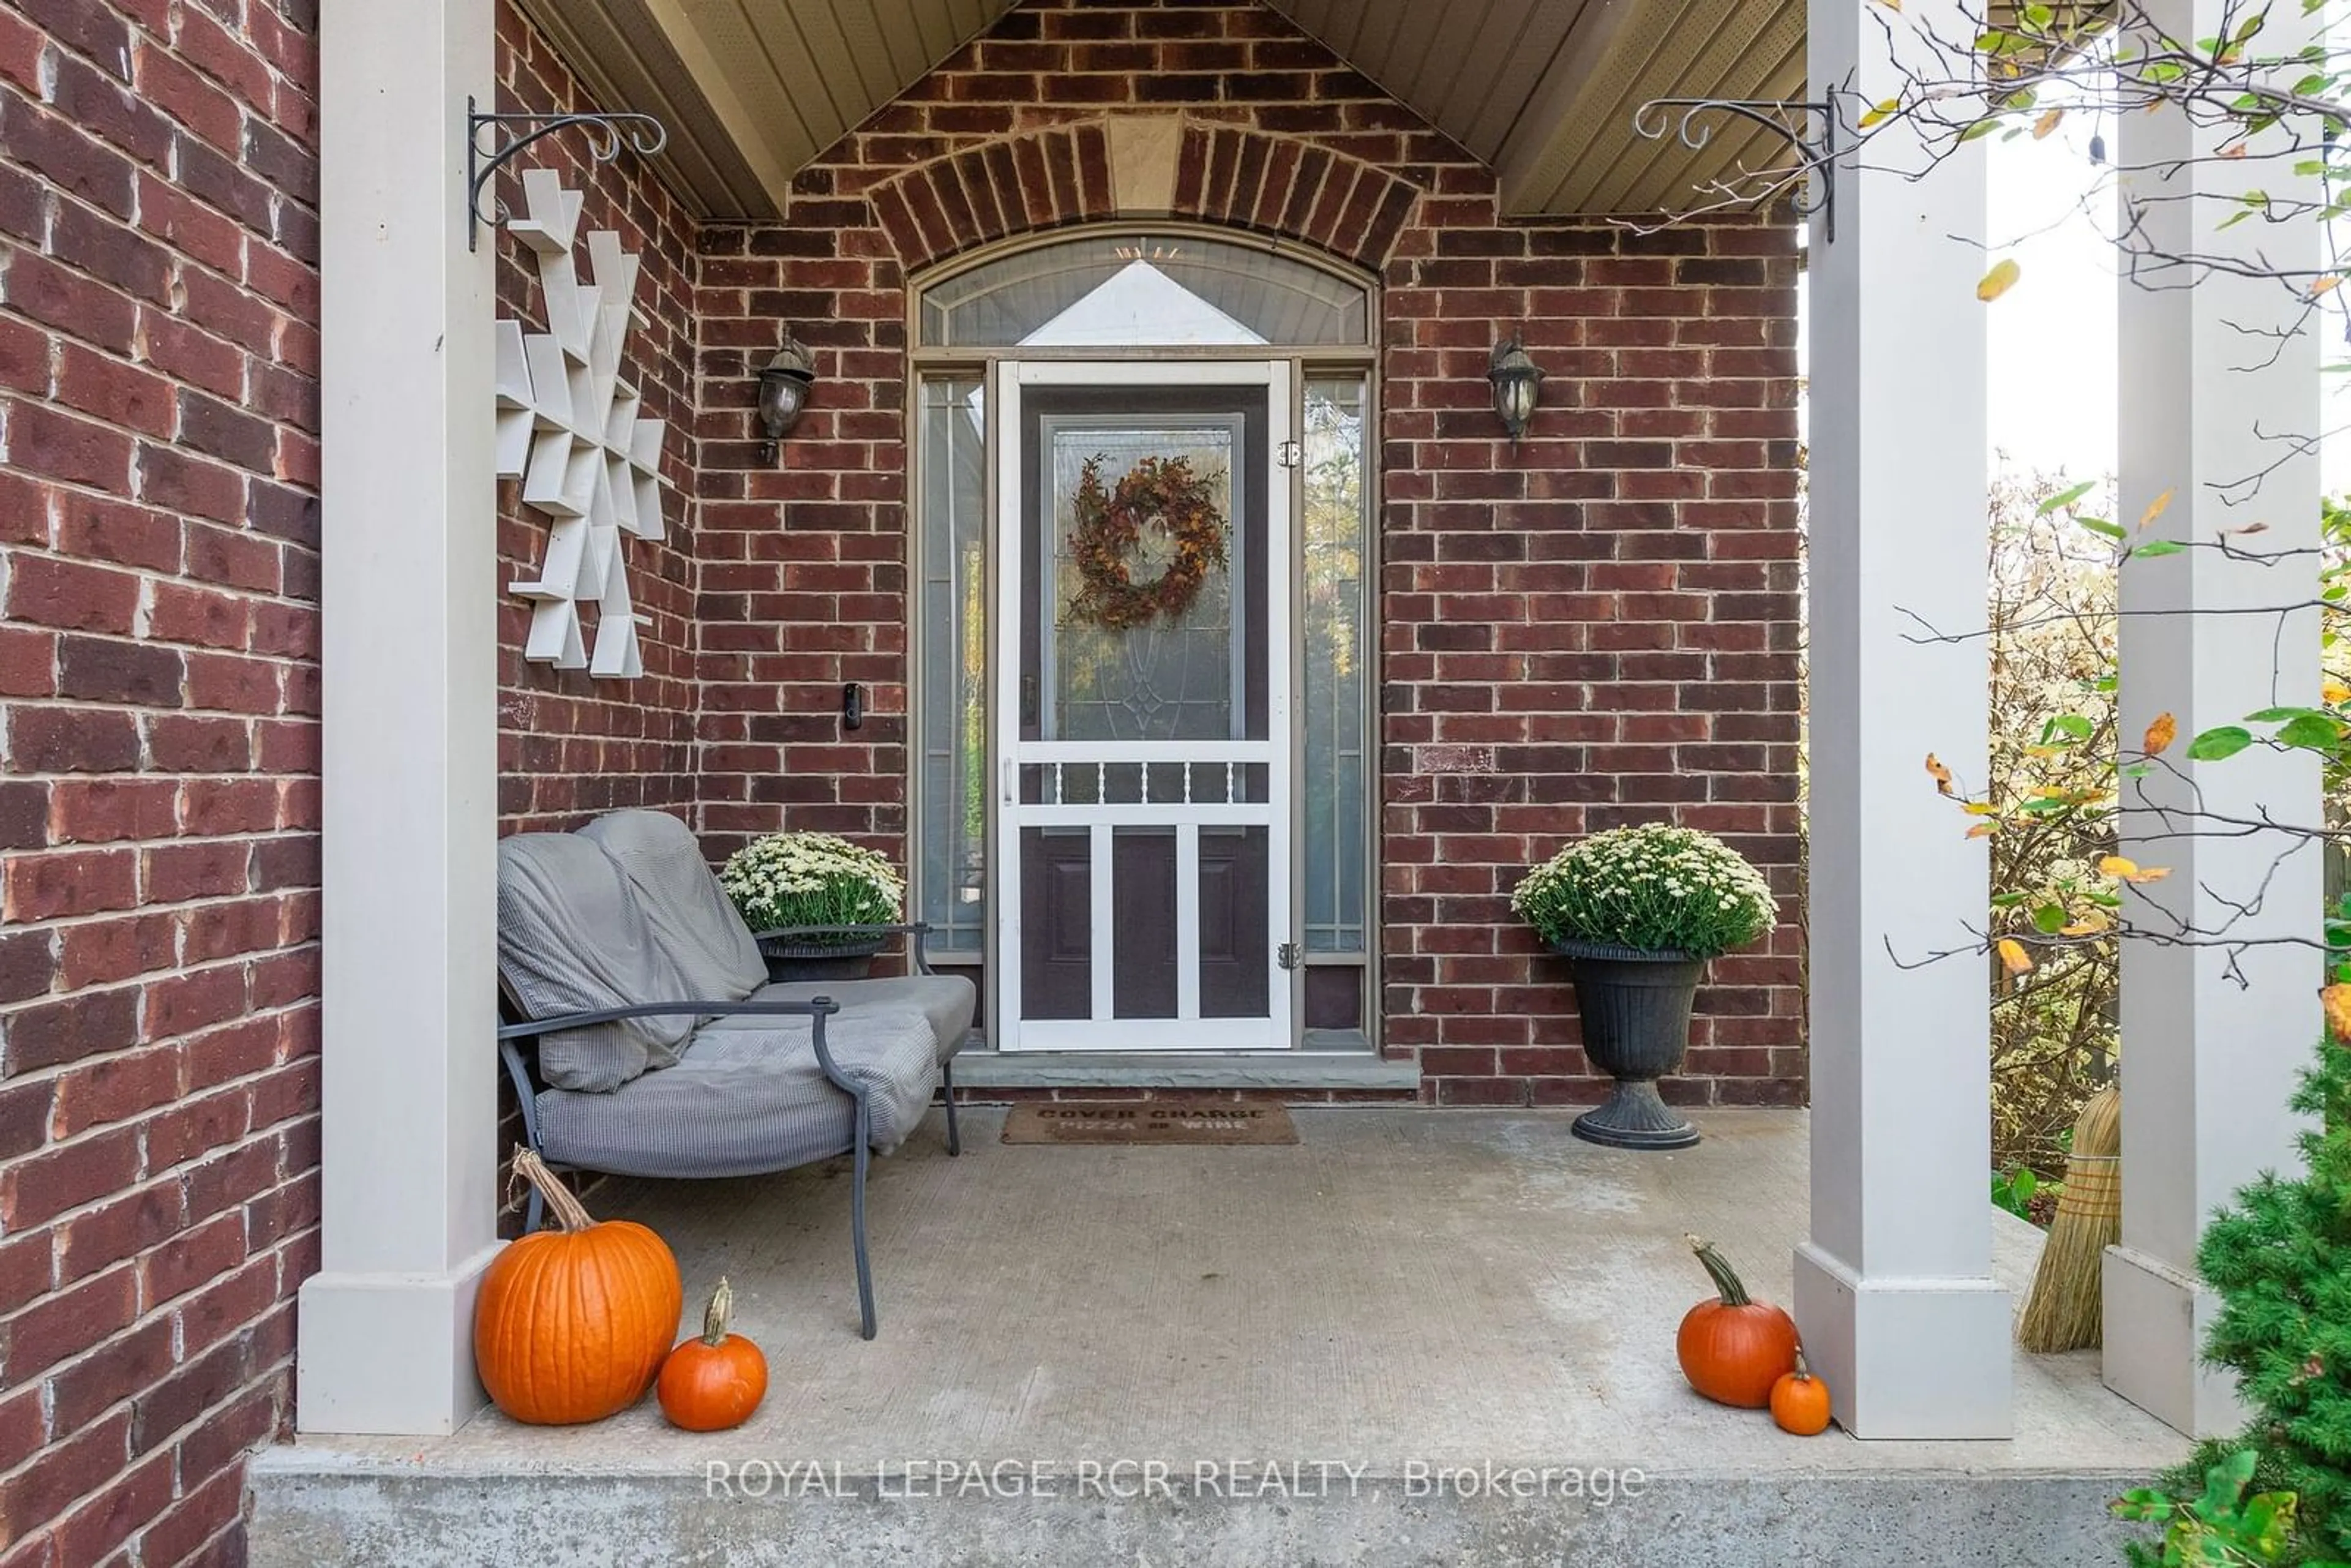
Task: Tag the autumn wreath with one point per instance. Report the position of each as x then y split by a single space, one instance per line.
1158 492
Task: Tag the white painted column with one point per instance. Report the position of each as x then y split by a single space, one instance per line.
1894 1291
410 673
2211 1037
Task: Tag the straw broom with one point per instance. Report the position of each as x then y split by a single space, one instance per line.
2063 1311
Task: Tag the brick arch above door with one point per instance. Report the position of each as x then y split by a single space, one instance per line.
1110 168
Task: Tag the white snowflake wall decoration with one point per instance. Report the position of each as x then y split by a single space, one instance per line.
568 429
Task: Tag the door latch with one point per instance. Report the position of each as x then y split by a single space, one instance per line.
1287 955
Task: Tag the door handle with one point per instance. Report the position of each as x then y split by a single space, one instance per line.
1008 774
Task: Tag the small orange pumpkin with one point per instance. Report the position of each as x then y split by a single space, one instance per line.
571 1324
1733 1349
1800 1402
715 1382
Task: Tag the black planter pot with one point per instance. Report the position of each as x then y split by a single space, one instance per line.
1636 1007
790 959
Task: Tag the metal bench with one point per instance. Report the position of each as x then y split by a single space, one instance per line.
662 1051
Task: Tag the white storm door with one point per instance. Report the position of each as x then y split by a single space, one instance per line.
1144 802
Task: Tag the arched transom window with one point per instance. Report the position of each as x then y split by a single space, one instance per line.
1145 290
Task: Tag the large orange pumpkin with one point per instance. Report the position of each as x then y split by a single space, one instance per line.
1733 1349
710 1384
571 1324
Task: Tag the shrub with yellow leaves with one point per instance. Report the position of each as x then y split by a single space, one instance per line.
2048 804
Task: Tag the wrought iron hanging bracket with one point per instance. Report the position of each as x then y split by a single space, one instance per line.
492 138
1809 127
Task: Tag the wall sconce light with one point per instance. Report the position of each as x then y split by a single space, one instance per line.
784 386
1514 378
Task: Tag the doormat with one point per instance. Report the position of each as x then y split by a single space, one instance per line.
1148 1121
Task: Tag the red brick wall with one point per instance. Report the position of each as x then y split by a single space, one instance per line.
158 798
1596 627
570 745
158 735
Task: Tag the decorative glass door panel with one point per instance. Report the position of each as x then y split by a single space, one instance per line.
1143 736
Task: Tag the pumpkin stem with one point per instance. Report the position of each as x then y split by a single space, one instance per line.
715 1316
1804 1368
1726 1279
569 1213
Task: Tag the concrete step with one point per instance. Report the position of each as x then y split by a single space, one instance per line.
316 1508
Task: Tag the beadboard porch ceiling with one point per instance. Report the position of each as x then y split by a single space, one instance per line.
1542 90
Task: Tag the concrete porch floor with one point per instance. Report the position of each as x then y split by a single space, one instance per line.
1403 1291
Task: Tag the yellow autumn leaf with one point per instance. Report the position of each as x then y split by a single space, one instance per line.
2334 691
2324 286
2117 865
2047 123
1981 830
2014 957
2161 734
1885 110
2249 529
2090 924
1999 280
2154 510
2336 1000
1981 809
1940 774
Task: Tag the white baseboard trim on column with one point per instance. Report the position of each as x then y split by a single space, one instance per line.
390 1353
2155 1319
1907 1358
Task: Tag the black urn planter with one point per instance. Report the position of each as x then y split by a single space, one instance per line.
1635 1009
791 959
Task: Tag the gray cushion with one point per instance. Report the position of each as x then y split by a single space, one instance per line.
746 1101
946 1000
692 917
572 938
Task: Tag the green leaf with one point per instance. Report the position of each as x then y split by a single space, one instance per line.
2225 1482
2064 498
2157 547
2100 526
2268 1522
2049 919
2023 1184
2214 745
2073 723
2282 715
2313 732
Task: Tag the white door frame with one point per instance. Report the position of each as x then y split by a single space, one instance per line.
1277 813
